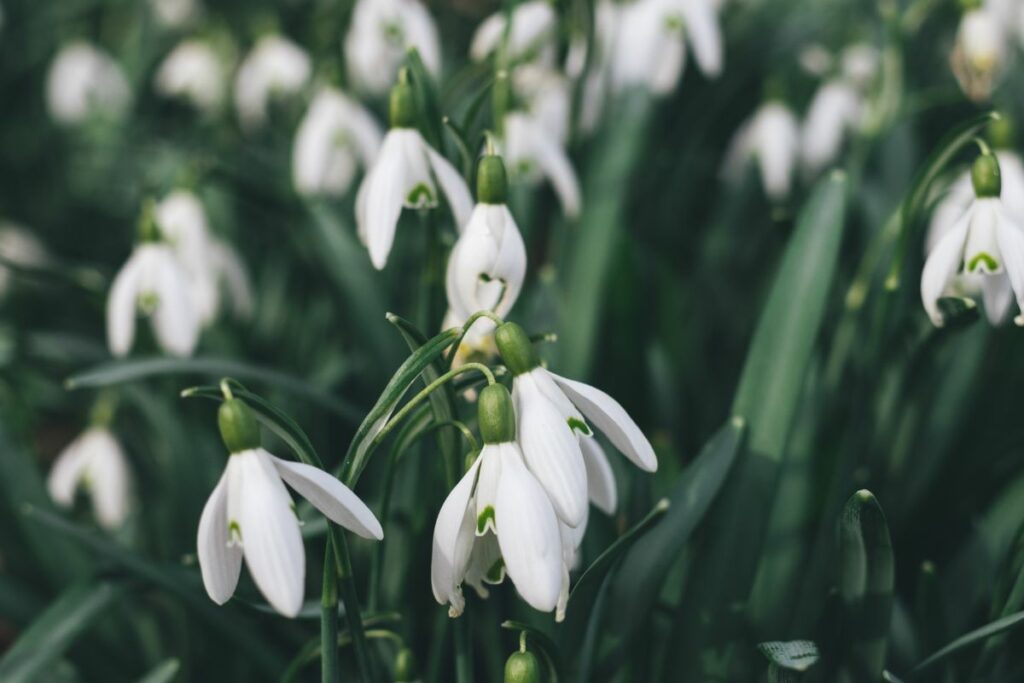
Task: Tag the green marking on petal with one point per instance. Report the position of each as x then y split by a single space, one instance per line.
234 530
148 302
496 574
989 264
580 426
420 195
483 518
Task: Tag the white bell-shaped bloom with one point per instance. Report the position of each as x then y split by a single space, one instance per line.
531 37
275 67
487 265
601 488
534 151
152 281
18 246
546 95
771 137
859 63
979 53
336 136
250 514
379 36
174 13
95 462
552 414
835 111
84 81
497 520
407 173
194 72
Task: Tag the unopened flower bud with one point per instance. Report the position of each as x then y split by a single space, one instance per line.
402 105
522 667
515 348
405 666
496 416
491 181
985 176
238 426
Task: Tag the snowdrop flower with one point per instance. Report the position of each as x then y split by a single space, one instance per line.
250 514
979 53
93 461
336 136
534 151
771 137
546 96
275 67
407 173
194 72
379 36
152 281
1010 14
533 33
19 246
859 63
835 110
174 13
497 520
552 413
488 263
83 81
985 241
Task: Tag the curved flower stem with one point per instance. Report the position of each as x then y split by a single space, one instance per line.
329 619
465 330
353 614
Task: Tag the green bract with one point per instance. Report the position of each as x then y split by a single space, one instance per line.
238 426
515 348
496 415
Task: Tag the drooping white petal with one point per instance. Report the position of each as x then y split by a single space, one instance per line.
605 413
533 24
998 296
108 477
948 210
1010 237
601 487
528 533
328 495
777 140
834 110
84 80
379 35
121 302
274 67
175 320
981 251
220 561
487 489
487 267
453 186
66 473
270 534
940 268
485 565
700 18
1011 169
453 541
551 450
527 143
381 197
193 71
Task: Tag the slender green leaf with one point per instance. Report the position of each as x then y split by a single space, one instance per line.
426 99
163 672
975 637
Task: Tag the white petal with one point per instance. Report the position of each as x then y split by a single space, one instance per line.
66 473
381 198
611 418
485 565
487 489
453 186
453 542
175 320
108 476
833 111
331 497
528 533
1011 246
220 562
601 486
551 450
998 296
940 268
270 534
777 140
487 36
701 22
668 67
121 306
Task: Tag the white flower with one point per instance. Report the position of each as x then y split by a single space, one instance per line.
859 63
275 67
488 264
1010 14
19 246
152 281
550 413
379 36
533 150
95 462
404 176
835 110
83 81
250 514
979 53
771 137
174 13
497 519
533 33
546 95
336 135
193 71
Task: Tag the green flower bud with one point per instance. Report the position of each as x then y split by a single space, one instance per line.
522 667
238 426
496 415
405 666
491 182
1001 133
985 176
402 105
516 349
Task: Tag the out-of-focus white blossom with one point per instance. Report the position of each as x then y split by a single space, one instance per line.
84 81
532 36
533 150
336 136
19 246
979 54
95 462
275 67
771 138
379 36
545 94
174 13
194 72
488 264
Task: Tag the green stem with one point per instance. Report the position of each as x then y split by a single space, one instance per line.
465 330
353 614
463 660
329 619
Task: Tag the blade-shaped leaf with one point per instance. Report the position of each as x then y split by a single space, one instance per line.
163 672
975 637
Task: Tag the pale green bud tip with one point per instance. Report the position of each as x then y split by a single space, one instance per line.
238 426
148 230
522 667
515 348
491 181
496 415
402 106
405 666
985 176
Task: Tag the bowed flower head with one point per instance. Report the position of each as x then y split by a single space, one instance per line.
552 414
84 81
986 241
275 67
979 52
533 33
194 72
497 520
94 461
771 137
381 33
20 247
250 514
335 137
407 173
534 151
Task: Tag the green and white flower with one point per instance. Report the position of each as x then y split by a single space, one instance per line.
380 34
194 72
95 462
85 81
275 68
771 138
